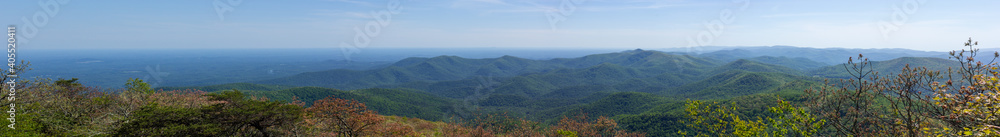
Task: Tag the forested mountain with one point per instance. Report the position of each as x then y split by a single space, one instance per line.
415 69
740 82
626 85
628 64
643 89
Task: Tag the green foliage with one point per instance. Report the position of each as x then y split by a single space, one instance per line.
68 82
504 100
653 124
798 119
233 114
136 85
28 124
740 83
716 120
304 94
155 120
237 112
621 103
565 133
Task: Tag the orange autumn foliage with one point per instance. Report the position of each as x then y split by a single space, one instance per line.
338 117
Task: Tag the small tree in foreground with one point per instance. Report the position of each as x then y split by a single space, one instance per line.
230 113
338 117
713 119
970 104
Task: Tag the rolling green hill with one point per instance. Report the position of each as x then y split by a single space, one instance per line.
739 82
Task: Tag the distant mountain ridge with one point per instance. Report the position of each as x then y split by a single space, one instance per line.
446 68
829 56
632 70
414 69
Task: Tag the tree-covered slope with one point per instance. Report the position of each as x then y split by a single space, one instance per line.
621 103
400 102
739 82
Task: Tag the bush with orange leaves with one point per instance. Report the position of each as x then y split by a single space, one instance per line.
339 117
601 127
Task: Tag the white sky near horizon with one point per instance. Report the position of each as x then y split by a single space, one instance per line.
930 25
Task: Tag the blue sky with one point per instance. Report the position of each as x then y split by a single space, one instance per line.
619 24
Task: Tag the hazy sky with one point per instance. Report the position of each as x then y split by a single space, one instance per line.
625 24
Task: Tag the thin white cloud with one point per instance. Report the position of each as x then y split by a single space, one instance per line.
500 6
353 2
811 14
636 5
526 6
472 4
341 14
492 1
